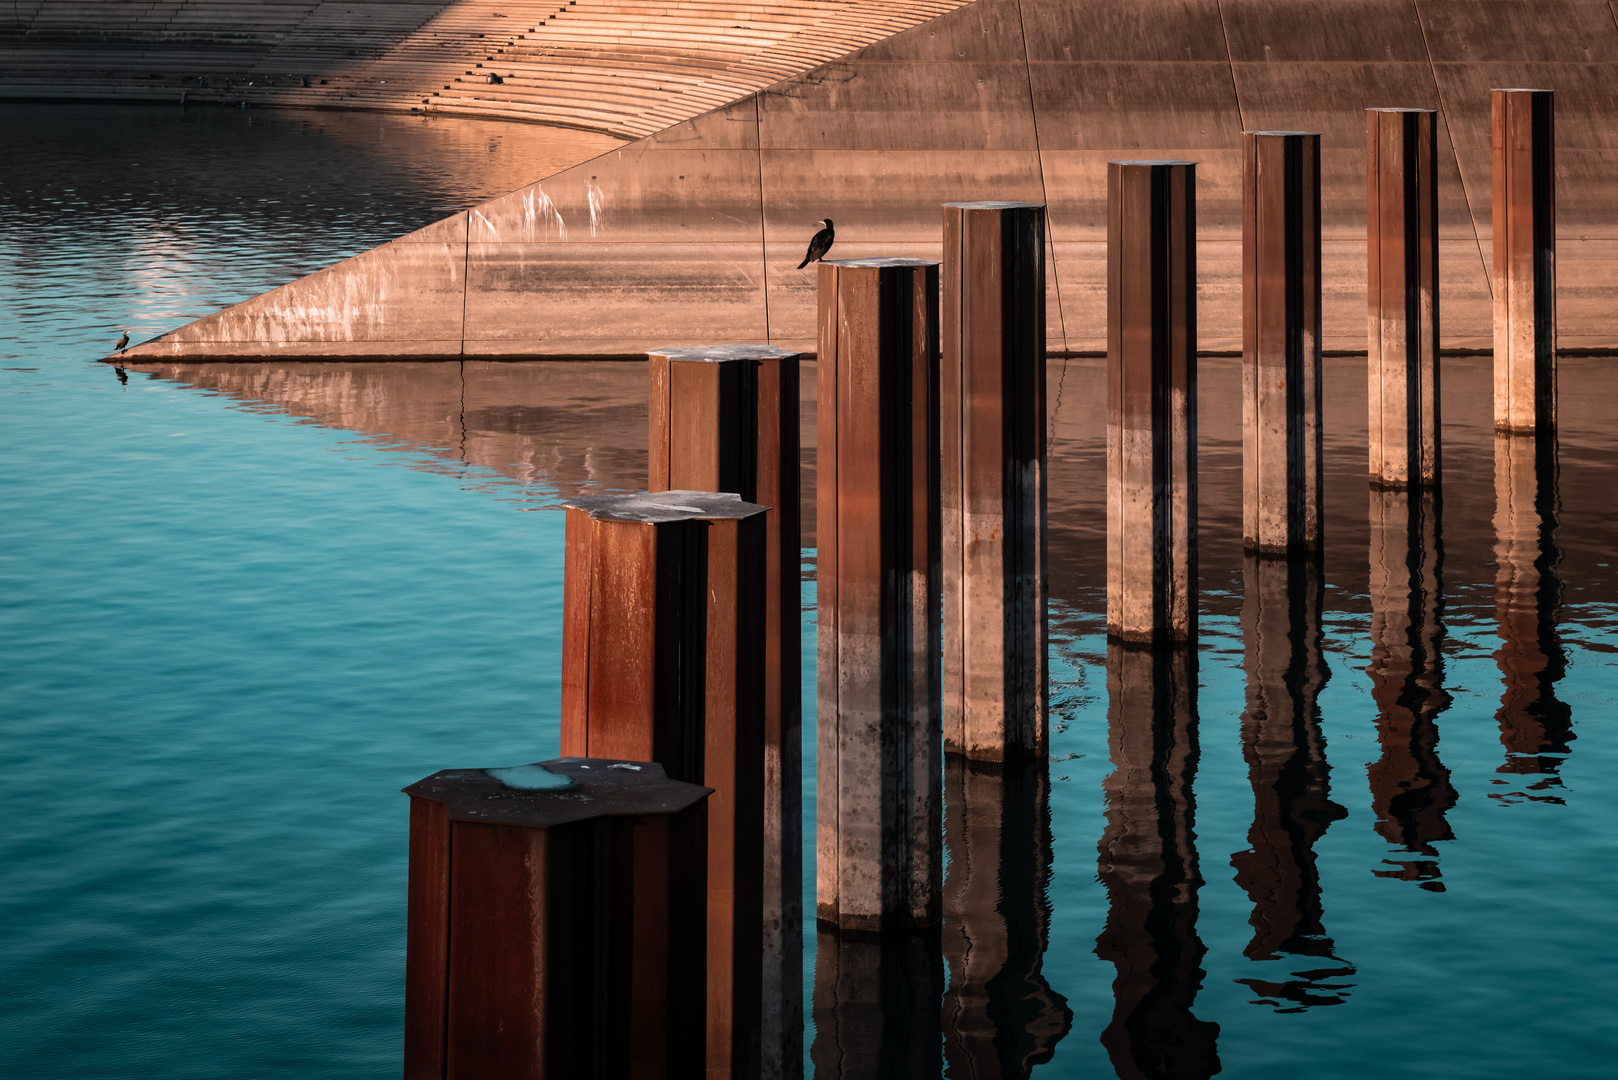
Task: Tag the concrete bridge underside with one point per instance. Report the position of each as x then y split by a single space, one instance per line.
692 234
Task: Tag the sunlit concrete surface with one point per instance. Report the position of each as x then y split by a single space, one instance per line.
693 234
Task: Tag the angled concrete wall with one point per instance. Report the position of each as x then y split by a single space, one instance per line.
693 234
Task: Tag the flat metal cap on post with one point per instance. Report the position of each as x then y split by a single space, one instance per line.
1151 161
657 507
546 794
992 205
714 353
879 262
1399 109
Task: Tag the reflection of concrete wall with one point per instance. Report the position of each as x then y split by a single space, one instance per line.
693 234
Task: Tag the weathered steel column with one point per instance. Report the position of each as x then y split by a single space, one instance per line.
992 483
1151 400
556 923
1001 1016
1281 437
1285 750
1536 727
725 418
879 758
663 660
1410 787
1149 865
1524 143
1401 182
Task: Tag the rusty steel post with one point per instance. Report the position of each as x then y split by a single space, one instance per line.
1401 184
992 480
1151 400
879 759
663 660
1281 436
555 923
725 418
1524 182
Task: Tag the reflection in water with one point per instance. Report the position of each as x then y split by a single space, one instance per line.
559 427
1286 764
1535 727
876 1006
1149 867
1001 1018
1410 787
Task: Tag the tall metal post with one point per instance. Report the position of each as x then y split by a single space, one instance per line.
1524 144
1151 400
1281 436
556 923
879 758
725 418
662 660
992 483
1401 184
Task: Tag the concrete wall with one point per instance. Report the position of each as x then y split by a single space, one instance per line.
693 234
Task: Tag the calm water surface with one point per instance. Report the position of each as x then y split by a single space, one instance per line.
1366 834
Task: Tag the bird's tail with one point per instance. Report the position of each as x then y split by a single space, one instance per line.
804 263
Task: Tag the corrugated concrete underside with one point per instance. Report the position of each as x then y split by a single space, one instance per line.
693 234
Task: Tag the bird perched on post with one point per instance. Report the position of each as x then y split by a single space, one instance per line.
820 244
123 342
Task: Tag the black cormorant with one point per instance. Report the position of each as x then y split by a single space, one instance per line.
820 244
123 342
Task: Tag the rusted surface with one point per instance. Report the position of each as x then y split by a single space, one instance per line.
1401 182
1524 178
992 480
1285 751
1536 727
1149 866
1410 787
1151 400
672 669
1282 460
878 764
725 418
876 1006
560 931
1001 1016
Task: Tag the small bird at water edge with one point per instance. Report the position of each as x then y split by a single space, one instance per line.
820 244
123 342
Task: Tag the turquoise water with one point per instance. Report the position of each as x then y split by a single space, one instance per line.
238 612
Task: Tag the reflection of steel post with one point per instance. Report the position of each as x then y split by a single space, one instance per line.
1149 867
725 418
1524 143
876 1006
878 762
1286 764
1001 1018
555 924
1410 787
1151 400
992 483
662 660
1281 436
1401 176
1535 726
